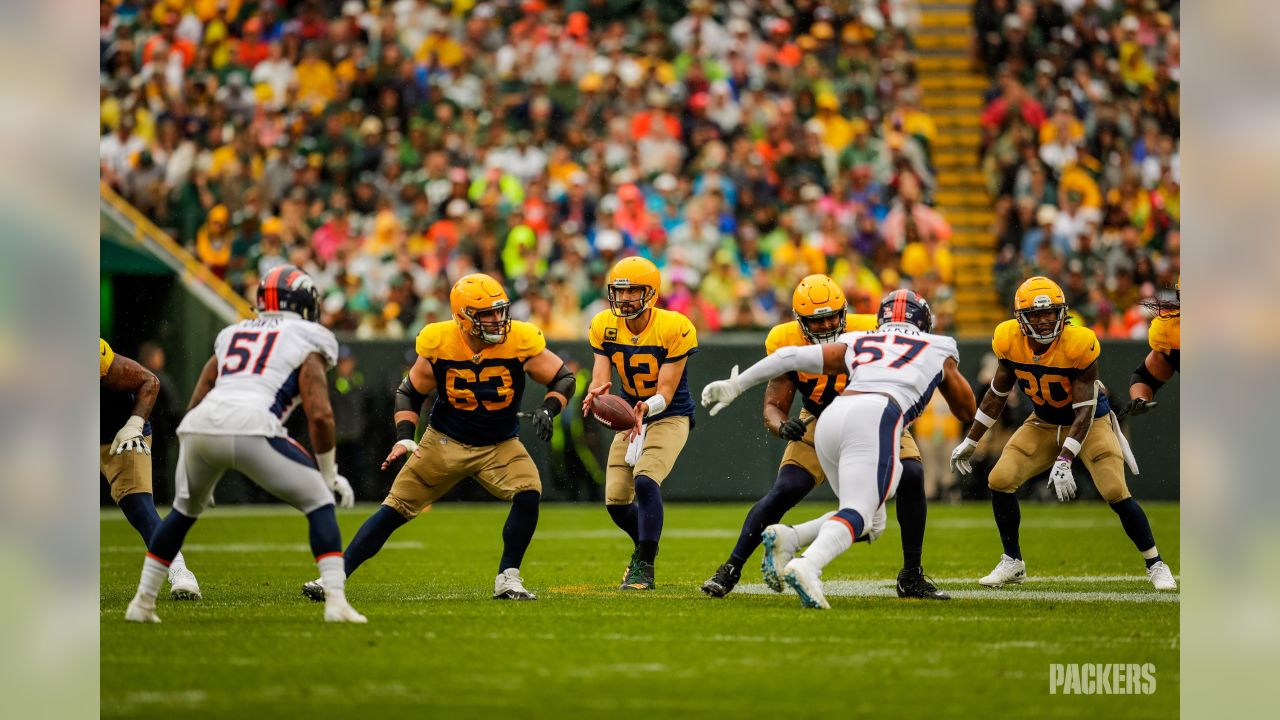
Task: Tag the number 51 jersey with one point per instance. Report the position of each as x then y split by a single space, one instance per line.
258 364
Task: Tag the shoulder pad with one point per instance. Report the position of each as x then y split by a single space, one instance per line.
855 322
783 335
1003 339
431 339
1080 345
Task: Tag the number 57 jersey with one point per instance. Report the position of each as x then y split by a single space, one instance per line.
258 364
900 362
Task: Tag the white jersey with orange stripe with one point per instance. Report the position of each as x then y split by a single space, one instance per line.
258 365
900 361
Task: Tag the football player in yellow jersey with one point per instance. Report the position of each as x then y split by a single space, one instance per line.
477 363
1165 338
127 392
821 315
1056 367
649 347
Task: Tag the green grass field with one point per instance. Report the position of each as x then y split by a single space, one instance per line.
437 646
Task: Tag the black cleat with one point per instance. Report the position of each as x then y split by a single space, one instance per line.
723 582
912 583
631 565
640 578
313 590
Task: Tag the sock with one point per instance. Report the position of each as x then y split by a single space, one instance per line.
140 510
332 576
835 537
912 511
792 484
1138 528
371 536
154 572
323 532
518 532
808 530
168 538
626 517
1008 518
649 514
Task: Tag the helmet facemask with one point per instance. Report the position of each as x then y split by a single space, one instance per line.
1043 321
490 324
642 303
826 330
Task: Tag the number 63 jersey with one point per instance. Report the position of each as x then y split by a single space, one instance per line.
900 362
258 363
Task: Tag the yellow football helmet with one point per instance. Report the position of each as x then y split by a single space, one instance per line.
481 307
633 272
815 302
1040 307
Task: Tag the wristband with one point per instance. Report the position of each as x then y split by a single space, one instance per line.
406 430
997 392
984 418
135 423
552 405
1071 445
328 464
656 404
1065 459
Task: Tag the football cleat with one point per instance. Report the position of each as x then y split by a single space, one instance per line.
340 611
631 565
1162 577
314 590
805 578
780 545
136 612
723 581
1007 572
641 578
510 586
183 585
912 583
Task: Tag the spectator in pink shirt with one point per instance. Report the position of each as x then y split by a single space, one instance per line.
908 208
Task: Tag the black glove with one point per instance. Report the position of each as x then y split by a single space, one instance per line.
793 429
1138 407
542 423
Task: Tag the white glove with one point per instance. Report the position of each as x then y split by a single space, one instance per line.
1062 480
961 455
342 488
329 471
409 445
719 394
130 438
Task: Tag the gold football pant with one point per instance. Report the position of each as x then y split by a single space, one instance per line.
663 441
1035 446
504 469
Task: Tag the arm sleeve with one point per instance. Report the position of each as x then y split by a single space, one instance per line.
806 359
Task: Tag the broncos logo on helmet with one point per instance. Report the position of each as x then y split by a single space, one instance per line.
285 288
905 306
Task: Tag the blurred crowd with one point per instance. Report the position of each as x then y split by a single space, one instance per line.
1081 150
390 147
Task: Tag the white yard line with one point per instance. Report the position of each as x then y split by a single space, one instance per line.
254 547
877 588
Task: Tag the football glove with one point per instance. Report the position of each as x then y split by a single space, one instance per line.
130 438
342 488
962 455
719 394
1139 406
793 429
543 425
1064 484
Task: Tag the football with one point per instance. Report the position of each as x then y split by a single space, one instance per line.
614 413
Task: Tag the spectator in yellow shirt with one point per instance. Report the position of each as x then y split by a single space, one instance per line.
446 51
213 241
837 132
316 81
927 255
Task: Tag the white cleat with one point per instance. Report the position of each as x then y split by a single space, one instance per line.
780 545
806 580
340 611
1162 577
314 590
1009 571
140 614
510 586
183 585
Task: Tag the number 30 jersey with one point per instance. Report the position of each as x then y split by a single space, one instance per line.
900 362
1046 378
816 391
258 365
478 393
637 358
